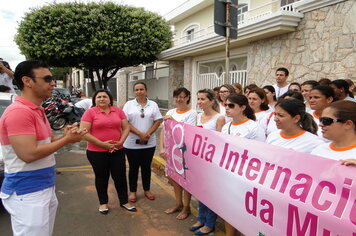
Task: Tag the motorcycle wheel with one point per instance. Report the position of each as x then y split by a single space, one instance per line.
59 123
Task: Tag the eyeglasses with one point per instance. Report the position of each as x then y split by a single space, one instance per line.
328 121
142 113
225 91
230 105
47 78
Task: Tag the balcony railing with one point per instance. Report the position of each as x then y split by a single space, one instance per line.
252 16
212 80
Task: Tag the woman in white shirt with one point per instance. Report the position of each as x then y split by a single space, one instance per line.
243 124
267 123
183 113
297 127
144 117
319 98
210 119
338 124
258 102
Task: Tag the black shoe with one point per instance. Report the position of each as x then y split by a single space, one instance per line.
198 232
133 209
104 211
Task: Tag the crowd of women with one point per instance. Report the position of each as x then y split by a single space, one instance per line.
314 117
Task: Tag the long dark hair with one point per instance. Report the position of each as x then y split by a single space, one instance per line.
211 96
241 100
102 91
296 107
272 90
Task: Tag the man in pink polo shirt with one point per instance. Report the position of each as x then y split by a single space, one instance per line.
28 192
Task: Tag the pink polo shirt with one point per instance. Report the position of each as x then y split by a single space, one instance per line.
104 126
25 118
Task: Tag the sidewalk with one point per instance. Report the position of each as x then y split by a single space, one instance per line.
158 165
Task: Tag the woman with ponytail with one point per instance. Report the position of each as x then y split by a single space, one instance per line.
243 122
297 127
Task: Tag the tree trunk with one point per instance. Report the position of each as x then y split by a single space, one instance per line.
92 82
97 72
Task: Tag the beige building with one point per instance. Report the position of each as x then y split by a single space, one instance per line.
312 38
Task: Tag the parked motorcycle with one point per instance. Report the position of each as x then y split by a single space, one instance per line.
69 115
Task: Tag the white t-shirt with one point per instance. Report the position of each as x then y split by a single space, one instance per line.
245 129
189 117
328 150
259 115
85 103
133 113
267 124
210 124
302 142
280 91
6 80
319 133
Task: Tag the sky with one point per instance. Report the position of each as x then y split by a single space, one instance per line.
11 13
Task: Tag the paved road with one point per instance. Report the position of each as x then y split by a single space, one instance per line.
78 205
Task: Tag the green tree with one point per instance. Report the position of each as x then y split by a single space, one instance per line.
102 37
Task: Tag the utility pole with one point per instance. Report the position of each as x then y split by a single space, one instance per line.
227 42
225 24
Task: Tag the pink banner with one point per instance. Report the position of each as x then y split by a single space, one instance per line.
262 189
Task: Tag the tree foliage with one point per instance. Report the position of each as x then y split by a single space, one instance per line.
103 37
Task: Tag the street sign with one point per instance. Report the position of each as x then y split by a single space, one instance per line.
220 23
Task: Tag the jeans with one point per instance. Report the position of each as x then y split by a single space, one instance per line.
206 216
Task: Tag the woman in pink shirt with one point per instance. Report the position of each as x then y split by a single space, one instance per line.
107 130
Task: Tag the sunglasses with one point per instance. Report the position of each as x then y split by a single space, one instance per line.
230 105
326 121
142 113
47 78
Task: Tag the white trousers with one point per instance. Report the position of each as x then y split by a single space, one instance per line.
32 214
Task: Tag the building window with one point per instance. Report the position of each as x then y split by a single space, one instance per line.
219 70
233 67
287 2
242 8
190 34
149 72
